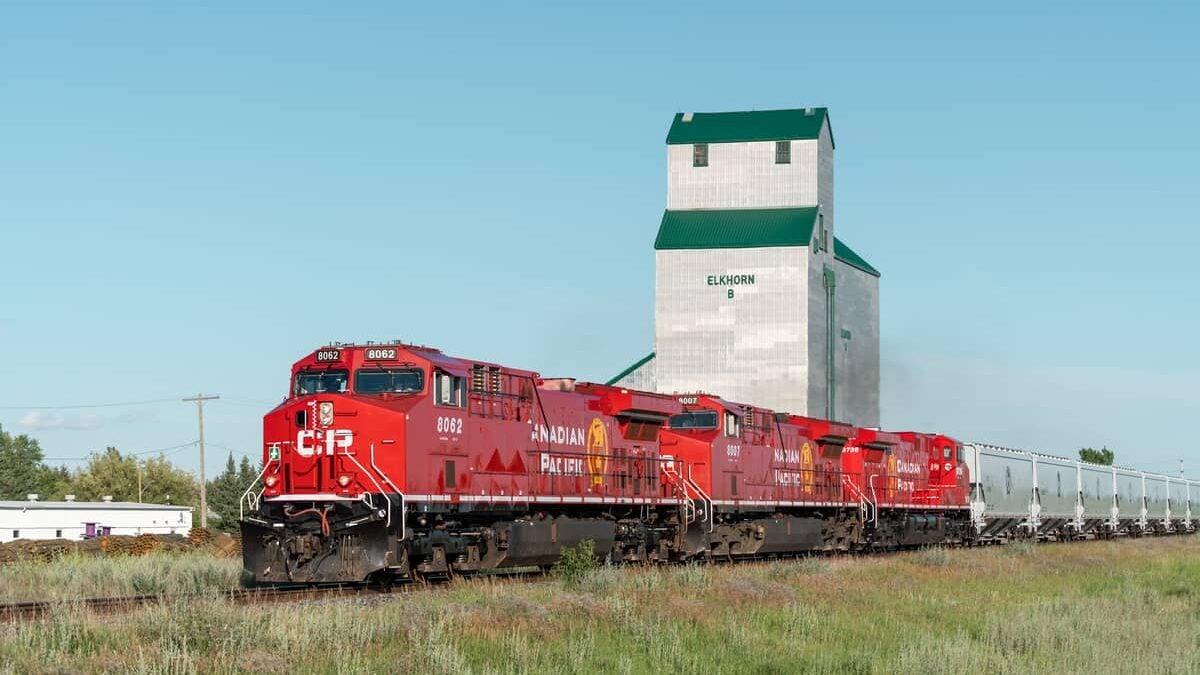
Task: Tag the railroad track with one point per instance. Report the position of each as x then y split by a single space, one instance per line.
28 611
39 609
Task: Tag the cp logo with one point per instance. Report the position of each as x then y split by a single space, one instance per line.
311 442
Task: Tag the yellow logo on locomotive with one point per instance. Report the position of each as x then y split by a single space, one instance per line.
891 474
806 468
597 451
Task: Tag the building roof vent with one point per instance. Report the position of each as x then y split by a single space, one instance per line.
808 112
31 497
68 498
106 498
687 117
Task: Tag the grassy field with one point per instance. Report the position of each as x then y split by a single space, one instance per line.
72 577
1097 607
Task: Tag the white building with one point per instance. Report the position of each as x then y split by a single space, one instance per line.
32 519
756 299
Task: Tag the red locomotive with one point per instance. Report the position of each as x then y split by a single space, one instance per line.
395 461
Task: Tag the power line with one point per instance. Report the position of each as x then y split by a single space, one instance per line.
174 448
86 405
233 450
248 401
169 450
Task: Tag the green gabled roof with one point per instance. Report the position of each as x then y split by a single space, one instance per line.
755 125
736 228
637 364
847 255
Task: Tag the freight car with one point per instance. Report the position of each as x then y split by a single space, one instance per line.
1019 493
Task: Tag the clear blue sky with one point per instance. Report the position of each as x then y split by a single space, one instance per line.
193 195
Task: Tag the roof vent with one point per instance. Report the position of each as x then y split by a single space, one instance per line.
31 497
68 498
808 112
687 117
106 498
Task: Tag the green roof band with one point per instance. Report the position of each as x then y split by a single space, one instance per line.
736 228
847 255
755 125
748 228
624 373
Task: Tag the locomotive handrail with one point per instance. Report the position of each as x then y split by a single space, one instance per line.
542 408
708 505
372 477
683 483
861 496
246 496
403 505
873 500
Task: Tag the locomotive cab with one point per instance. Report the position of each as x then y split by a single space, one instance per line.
334 451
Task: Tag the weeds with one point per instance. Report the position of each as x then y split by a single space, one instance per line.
932 557
1021 547
1100 607
73 577
576 563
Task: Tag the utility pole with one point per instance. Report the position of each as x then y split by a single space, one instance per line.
200 399
139 468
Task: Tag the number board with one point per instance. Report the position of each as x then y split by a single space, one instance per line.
381 354
329 355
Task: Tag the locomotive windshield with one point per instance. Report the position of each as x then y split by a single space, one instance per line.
320 382
700 419
402 381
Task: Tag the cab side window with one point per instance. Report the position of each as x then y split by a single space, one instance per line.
733 425
449 390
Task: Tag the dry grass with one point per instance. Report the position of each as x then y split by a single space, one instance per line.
74 576
1099 607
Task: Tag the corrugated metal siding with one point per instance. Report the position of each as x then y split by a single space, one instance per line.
857 364
751 347
743 176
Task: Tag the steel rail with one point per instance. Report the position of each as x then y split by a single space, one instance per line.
38 609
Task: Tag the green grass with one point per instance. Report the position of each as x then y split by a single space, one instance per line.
1097 607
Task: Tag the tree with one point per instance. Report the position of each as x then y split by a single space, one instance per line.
226 490
224 494
248 472
1102 456
21 468
107 474
112 474
54 482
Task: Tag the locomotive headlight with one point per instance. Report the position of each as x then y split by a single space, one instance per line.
344 480
325 413
270 481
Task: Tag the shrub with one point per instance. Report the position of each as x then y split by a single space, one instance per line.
933 556
576 562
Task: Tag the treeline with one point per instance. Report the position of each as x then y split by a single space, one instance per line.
23 471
